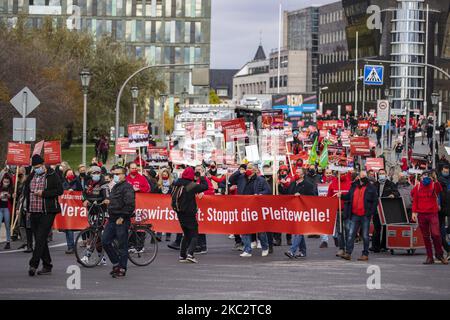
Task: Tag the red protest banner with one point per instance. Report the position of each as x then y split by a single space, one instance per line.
18 154
359 146
52 152
138 135
374 164
273 119
122 147
330 124
234 129
363 124
38 147
219 215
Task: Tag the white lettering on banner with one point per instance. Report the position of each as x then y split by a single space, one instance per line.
71 211
155 214
230 216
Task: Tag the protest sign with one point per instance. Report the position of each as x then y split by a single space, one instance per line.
234 129
359 146
374 164
138 135
52 152
38 147
122 147
18 154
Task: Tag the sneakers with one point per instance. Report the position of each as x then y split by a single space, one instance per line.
231 236
289 255
7 246
174 246
258 245
340 253
245 255
200 250
271 249
300 255
442 259
238 247
114 270
85 259
31 271
323 245
363 258
120 273
265 253
103 262
191 259
346 256
44 271
254 245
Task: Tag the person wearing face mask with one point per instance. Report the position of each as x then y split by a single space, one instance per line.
24 223
218 181
362 205
164 186
6 196
41 191
69 184
313 178
284 181
444 180
80 180
404 188
298 187
425 208
386 189
137 181
250 183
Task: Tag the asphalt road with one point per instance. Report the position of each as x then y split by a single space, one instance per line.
222 274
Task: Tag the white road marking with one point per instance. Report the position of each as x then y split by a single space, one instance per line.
22 250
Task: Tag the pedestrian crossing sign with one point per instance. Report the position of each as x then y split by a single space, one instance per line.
373 75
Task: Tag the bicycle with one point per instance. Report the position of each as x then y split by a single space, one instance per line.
143 244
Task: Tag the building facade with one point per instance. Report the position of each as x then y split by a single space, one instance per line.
161 31
221 81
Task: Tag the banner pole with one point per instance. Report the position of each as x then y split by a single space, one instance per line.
140 159
14 218
340 204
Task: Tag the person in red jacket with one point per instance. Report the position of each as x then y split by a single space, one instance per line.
333 190
138 181
425 210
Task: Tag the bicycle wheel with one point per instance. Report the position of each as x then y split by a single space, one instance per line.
143 246
88 247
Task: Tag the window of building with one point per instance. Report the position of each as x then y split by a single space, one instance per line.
179 8
139 27
178 55
148 31
159 30
223 92
167 29
187 32
198 32
198 55
139 9
188 8
159 9
168 5
198 8
128 8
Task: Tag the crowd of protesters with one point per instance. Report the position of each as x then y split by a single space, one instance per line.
426 197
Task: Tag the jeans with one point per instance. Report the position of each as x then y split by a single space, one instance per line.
5 214
353 225
247 240
41 224
70 239
189 225
429 225
117 232
298 242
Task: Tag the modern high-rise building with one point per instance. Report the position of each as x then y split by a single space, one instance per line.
161 31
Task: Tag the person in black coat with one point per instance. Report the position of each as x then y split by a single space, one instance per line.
121 205
41 191
386 189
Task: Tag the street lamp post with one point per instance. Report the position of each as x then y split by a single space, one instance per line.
407 103
85 76
388 124
134 97
162 101
435 101
320 99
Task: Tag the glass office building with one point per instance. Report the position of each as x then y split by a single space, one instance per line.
161 31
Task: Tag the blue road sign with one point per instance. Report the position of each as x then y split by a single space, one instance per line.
373 75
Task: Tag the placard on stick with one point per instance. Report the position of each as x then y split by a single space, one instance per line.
18 154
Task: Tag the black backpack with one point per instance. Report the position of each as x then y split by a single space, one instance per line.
179 194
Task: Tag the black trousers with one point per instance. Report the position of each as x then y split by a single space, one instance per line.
443 232
41 225
189 226
378 241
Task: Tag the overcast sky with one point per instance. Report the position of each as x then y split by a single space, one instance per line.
236 26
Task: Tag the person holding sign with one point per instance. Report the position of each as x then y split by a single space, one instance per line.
6 196
41 191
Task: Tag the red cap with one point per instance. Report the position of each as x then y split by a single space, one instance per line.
188 174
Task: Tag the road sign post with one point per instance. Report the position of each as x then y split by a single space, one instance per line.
24 102
373 75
